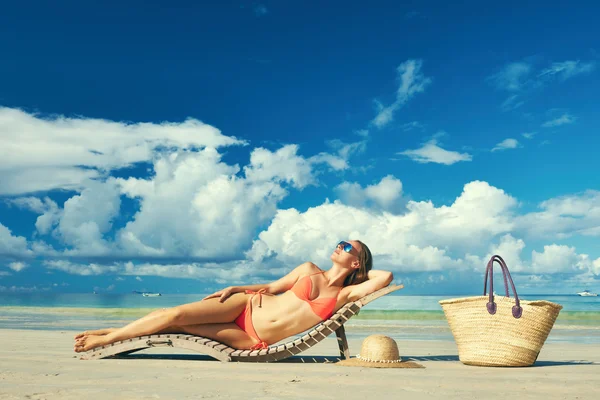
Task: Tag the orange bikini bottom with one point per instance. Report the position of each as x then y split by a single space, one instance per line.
244 320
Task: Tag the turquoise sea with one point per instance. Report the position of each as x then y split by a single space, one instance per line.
403 317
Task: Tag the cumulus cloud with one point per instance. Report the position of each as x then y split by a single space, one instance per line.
554 259
411 81
195 200
506 144
384 195
563 217
480 222
11 245
192 200
432 153
421 239
41 154
17 266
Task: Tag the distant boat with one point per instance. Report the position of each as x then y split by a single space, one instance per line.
146 294
587 293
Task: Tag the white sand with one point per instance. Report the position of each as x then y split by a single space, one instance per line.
42 365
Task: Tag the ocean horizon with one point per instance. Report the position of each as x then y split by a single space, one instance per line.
404 317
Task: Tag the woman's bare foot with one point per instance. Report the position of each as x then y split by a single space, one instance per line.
89 342
97 332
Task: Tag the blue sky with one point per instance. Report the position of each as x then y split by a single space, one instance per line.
186 147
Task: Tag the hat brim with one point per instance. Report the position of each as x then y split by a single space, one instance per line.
356 362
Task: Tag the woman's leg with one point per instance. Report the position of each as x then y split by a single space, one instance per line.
109 330
209 311
228 333
95 332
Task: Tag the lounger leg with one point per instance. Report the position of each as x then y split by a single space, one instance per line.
342 342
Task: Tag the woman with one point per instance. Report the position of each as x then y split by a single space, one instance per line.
251 317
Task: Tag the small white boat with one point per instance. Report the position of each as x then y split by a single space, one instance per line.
146 294
587 293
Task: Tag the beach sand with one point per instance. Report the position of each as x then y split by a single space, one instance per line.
41 365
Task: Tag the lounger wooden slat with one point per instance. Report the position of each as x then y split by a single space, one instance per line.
220 347
223 352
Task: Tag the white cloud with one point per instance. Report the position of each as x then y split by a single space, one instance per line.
412 81
86 218
563 217
17 266
280 166
559 259
22 289
432 153
513 76
562 120
344 152
554 259
506 144
39 154
192 202
385 195
418 240
567 69
195 200
30 203
12 245
423 238
80 269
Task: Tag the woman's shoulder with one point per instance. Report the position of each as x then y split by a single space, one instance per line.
309 267
306 268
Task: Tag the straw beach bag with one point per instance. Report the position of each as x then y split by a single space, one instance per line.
499 331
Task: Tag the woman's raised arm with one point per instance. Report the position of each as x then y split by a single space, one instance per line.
377 279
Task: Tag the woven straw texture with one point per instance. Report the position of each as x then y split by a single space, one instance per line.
498 340
379 351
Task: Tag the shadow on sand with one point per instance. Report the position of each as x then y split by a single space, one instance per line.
537 363
332 359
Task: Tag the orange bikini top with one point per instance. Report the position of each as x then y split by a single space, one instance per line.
322 307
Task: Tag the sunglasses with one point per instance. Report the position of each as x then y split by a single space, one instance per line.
347 247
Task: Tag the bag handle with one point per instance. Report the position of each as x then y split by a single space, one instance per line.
499 260
517 310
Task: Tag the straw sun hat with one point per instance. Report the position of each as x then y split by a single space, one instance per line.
379 351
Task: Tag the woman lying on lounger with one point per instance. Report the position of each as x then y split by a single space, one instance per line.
250 317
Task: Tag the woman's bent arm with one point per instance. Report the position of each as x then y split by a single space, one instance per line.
279 286
377 279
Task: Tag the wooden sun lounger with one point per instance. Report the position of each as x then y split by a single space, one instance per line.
223 352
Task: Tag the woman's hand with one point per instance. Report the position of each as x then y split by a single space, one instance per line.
223 294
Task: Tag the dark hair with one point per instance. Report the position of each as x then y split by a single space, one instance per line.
366 263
